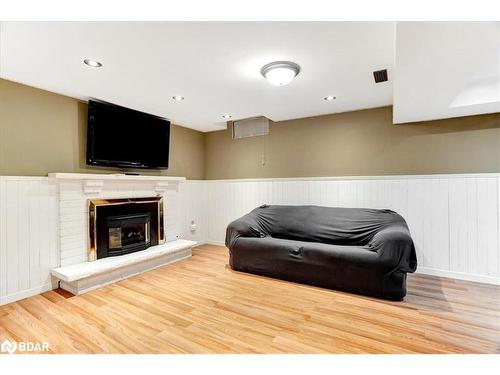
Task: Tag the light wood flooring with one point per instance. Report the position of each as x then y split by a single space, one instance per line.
200 305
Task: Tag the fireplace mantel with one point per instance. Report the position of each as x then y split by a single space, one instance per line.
114 176
94 182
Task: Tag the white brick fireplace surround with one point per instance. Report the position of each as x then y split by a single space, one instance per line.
453 219
76 189
76 273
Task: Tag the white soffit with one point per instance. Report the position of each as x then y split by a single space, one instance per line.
446 69
214 65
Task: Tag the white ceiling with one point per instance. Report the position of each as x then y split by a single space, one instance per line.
438 69
446 69
216 66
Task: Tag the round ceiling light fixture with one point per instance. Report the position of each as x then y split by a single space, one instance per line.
178 97
280 73
92 63
329 98
227 117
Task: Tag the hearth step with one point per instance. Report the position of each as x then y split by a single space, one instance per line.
83 277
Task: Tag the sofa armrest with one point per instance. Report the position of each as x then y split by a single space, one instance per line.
246 226
394 245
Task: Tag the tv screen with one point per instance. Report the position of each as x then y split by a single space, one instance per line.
122 137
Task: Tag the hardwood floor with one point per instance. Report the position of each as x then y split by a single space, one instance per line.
199 305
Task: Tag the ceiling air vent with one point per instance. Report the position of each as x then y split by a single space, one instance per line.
380 76
250 127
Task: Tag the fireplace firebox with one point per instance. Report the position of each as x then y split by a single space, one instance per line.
123 226
128 233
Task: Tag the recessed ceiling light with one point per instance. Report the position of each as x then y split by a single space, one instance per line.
329 98
92 63
227 117
280 73
178 97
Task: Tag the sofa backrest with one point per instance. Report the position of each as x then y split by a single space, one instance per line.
334 225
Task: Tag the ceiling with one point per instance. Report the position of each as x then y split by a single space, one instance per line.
437 69
446 69
214 65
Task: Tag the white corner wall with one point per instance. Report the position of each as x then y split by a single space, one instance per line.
453 219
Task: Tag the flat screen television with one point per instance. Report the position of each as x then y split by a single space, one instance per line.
125 138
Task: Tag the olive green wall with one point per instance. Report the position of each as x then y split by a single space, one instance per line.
42 132
357 143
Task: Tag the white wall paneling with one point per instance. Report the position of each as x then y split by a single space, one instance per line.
193 208
453 219
28 236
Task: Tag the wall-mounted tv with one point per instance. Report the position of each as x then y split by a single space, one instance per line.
125 138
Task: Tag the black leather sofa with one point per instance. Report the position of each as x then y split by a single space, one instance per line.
357 250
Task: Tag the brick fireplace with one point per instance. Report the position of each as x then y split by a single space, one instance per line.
115 226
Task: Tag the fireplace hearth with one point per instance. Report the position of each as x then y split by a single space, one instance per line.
123 226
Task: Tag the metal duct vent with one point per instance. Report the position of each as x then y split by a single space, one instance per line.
250 127
380 76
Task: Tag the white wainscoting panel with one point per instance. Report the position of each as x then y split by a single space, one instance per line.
453 219
28 236
193 206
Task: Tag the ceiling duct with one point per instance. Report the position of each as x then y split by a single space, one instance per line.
250 127
380 76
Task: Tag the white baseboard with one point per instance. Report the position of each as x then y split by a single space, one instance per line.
215 243
26 293
459 275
